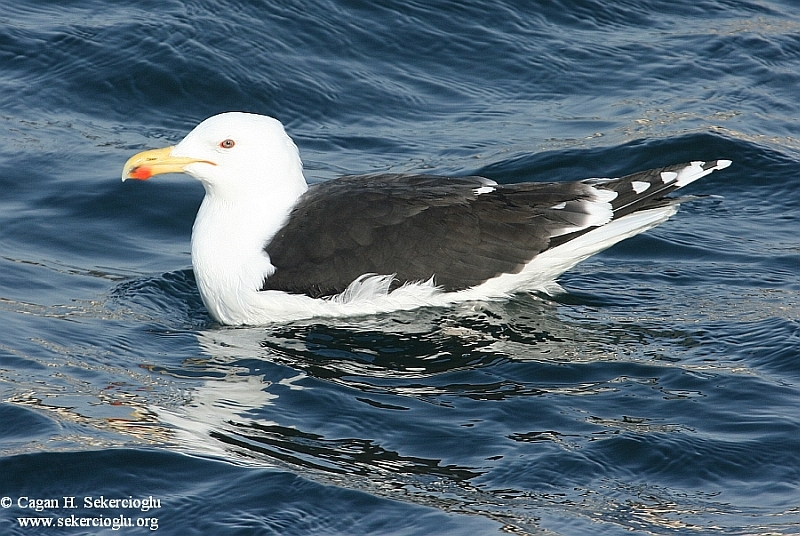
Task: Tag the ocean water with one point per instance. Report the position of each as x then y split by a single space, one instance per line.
659 395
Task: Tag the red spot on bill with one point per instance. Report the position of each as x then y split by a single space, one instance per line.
141 173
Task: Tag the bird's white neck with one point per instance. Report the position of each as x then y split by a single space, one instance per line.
228 240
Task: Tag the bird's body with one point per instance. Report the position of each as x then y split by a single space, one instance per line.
267 248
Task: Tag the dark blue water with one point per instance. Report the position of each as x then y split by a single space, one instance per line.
660 395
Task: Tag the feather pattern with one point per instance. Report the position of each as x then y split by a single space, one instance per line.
423 227
267 248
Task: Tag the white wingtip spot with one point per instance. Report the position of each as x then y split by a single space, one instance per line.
692 172
722 164
599 211
695 170
668 176
603 195
640 186
560 206
488 186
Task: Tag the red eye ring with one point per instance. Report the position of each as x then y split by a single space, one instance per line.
227 144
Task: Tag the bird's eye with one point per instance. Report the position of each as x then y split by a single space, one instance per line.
227 144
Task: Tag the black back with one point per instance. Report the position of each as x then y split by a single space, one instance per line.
460 231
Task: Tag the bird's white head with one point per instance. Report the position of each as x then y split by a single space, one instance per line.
233 154
253 176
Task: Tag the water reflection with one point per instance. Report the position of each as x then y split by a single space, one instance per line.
439 408
521 411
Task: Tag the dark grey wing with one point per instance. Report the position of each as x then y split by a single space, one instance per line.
460 231
646 189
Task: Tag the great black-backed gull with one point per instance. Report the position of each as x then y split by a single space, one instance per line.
266 247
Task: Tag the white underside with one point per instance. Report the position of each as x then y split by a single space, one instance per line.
369 294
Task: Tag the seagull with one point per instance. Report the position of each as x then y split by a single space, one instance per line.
267 247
